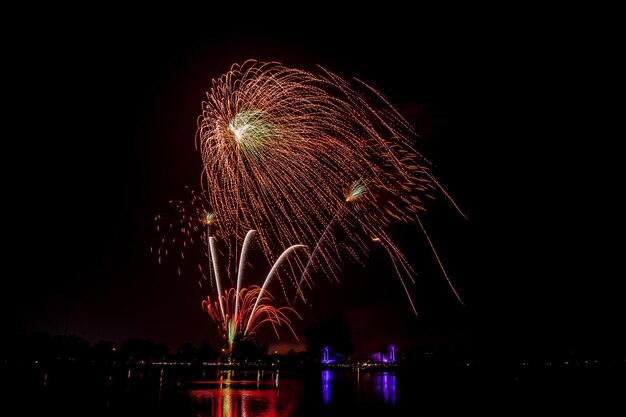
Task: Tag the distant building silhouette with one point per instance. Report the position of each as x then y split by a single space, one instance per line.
385 357
327 355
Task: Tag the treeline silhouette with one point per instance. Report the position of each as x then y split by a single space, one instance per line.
334 332
46 348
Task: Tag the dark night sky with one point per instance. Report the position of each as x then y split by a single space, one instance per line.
102 116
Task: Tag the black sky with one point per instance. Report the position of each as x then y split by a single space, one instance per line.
100 135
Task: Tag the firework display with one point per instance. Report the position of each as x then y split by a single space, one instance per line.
313 159
319 166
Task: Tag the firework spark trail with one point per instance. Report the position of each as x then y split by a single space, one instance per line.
445 274
189 223
265 313
356 190
243 310
271 274
209 220
400 264
278 146
218 281
244 255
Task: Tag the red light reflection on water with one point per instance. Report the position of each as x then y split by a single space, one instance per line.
243 398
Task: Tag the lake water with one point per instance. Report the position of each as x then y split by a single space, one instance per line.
179 391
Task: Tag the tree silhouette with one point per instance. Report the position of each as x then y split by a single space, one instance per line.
138 349
246 349
186 352
104 351
35 346
71 347
206 353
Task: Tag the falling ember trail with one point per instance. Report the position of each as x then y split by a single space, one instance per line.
445 274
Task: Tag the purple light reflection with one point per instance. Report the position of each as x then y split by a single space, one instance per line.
327 377
384 383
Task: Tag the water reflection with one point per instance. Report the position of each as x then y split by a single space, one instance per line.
245 397
327 377
117 391
384 384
